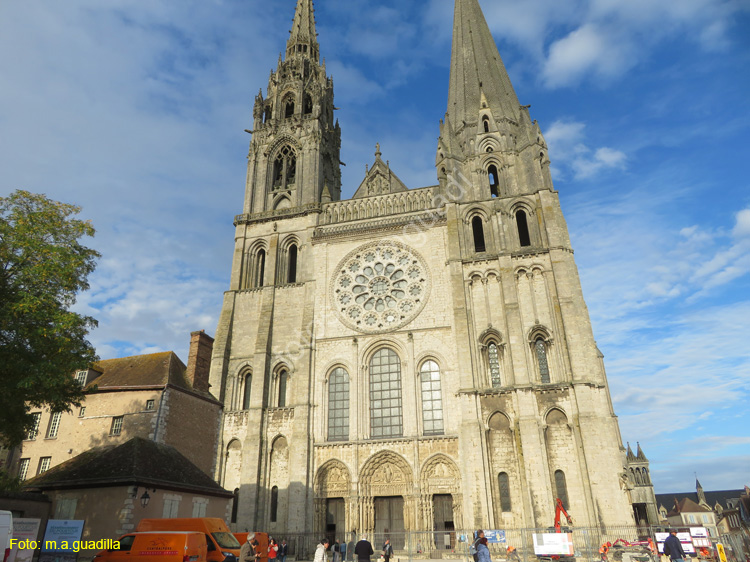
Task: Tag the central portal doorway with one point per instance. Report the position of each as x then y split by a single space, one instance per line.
389 522
335 511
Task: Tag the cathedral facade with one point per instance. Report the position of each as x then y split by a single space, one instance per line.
409 359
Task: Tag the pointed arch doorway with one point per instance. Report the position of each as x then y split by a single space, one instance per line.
386 507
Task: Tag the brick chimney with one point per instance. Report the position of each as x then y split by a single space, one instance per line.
199 359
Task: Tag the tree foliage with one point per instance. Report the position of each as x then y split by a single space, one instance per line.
43 266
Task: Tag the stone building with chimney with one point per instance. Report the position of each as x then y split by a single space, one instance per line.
152 396
411 359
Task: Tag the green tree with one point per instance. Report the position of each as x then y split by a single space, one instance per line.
43 266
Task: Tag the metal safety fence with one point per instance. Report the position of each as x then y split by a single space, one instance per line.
454 544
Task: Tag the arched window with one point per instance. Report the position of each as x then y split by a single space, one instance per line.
289 107
274 503
493 359
638 477
246 391
432 399
283 378
646 480
486 123
307 104
291 269
540 347
503 483
523 228
268 114
494 180
385 394
561 488
338 405
478 231
260 268
285 168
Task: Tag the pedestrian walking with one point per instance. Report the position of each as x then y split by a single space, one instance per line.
363 550
336 551
320 551
387 550
673 548
483 551
283 550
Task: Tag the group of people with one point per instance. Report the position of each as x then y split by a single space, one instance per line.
251 551
362 550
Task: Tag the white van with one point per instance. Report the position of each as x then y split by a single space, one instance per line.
6 533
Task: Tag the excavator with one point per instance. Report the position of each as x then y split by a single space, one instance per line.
557 528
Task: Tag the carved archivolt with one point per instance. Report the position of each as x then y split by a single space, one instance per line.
333 480
386 474
440 475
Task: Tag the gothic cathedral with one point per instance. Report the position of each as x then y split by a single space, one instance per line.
409 359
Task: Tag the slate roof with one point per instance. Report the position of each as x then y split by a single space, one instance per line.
136 462
686 505
155 369
152 370
720 496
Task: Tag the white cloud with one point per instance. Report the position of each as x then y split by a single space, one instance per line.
586 51
742 226
565 141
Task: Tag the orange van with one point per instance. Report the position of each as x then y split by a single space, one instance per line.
219 539
157 546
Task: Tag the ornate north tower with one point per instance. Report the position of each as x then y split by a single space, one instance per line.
409 359
294 153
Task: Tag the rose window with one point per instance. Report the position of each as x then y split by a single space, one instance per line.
380 286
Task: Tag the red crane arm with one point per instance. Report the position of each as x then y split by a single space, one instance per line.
558 510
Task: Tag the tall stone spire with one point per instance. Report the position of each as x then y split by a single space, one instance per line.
303 39
476 69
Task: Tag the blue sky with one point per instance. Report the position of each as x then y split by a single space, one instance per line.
135 110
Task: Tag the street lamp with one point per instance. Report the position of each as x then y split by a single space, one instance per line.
144 499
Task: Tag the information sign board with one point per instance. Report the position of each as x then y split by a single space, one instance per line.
550 544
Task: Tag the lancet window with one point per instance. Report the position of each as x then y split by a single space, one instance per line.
285 168
540 348
385 394
432 400
561 488
493 360
522 225
503 483
478 231
338 405
494 180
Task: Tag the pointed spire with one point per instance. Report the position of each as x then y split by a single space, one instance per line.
303 32
640 455
630 455
476 69
325 197
698 484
